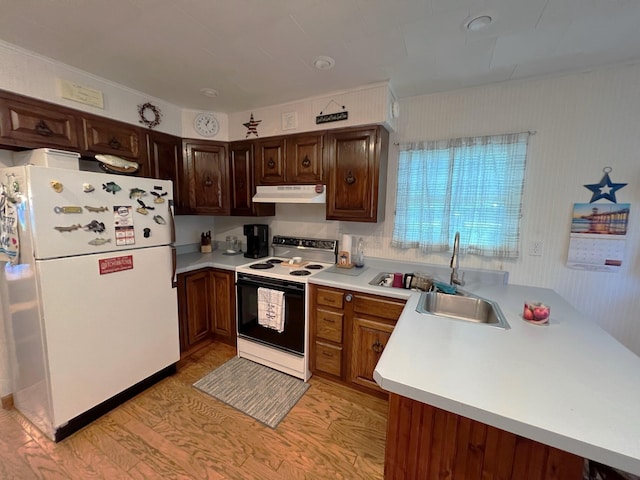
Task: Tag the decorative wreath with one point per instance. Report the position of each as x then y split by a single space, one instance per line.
157 114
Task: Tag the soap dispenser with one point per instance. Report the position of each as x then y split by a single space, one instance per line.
359 257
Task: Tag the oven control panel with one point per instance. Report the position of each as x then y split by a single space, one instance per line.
316 243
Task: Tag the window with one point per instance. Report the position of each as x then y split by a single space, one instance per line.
467 185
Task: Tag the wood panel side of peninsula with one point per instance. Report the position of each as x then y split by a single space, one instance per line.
427 443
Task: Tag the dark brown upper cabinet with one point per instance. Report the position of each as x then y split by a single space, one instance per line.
242 185
356 165
30 123
206 169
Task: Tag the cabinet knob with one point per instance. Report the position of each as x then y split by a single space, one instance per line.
208 182
115 143
377 347
43 129
350 178
348 297
271 163
306 162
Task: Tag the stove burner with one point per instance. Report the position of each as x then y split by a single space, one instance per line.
274 261
300 273
261 266
314 266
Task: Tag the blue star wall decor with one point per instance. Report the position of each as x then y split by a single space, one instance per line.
605 189
252 126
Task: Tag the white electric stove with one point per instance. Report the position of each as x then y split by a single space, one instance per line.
285 350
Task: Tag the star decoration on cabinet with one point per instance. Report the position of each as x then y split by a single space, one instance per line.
605 189
252 126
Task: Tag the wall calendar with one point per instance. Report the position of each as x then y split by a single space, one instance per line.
598 236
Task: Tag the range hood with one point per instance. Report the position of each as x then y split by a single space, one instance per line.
290 194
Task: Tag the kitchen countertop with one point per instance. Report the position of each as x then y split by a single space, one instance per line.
568 384
188 262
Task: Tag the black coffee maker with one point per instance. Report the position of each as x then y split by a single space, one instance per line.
257 240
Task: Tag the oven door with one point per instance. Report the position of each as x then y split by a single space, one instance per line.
291 339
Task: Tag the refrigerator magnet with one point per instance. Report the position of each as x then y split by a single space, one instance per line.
57 186
111 187
96 209
136 193
158 197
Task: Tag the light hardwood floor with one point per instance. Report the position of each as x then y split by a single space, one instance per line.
173 430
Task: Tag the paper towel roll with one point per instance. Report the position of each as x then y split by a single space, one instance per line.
346 244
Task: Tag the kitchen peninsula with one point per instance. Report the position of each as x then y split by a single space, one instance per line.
568 384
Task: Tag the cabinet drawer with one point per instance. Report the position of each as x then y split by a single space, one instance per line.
329 325
329 359
330 298
378 307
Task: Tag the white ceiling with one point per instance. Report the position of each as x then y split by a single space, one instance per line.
260 52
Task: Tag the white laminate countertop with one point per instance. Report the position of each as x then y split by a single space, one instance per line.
187 262
568 384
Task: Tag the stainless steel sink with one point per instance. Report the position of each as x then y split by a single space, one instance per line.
462 306
379 280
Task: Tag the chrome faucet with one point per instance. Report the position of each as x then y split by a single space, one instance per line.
455 262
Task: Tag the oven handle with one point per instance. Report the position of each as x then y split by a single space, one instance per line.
276 286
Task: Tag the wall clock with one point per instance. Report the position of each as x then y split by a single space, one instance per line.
206 124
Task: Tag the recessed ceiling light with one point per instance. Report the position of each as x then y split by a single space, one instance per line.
324 63
209 92
479 23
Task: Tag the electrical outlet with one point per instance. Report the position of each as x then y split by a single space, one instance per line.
535 248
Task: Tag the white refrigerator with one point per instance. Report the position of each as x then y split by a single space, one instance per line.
93 314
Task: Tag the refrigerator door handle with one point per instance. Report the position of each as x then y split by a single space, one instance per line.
174 267
172 222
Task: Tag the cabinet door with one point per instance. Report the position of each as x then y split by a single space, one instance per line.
241 167
198 313
36 124
106 136
369 339
270 161
208 177
165 162
223 301
353 161
303 162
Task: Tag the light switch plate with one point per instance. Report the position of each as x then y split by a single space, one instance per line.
535 248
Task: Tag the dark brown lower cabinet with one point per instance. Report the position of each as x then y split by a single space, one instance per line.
349 331
206 306
427 443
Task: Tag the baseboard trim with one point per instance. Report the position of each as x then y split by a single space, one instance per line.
7 402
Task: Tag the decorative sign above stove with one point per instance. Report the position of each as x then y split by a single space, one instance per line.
332 117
